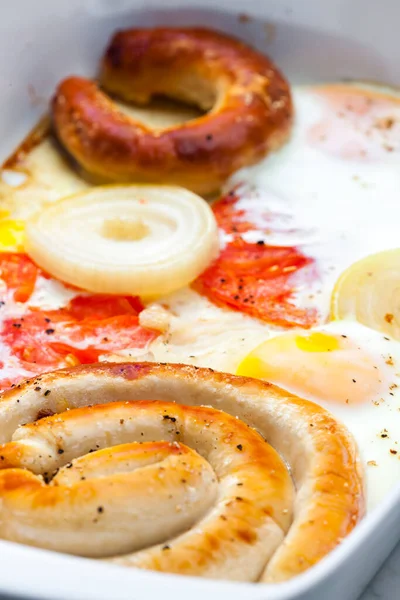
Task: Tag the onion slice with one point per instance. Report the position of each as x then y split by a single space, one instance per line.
369 292
129 239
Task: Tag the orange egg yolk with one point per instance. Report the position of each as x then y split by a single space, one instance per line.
317 366
11 234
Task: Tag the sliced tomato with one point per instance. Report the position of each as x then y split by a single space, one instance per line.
255 278
102 337
268 262
19 274
266 299
103 306
84 356
27 338
89 326
106 335
229 217
40 339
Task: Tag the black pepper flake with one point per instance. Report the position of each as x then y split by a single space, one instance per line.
166 547
2 303
344 336
50 331
384 435
122 421
100 509
239 498
60 451
354 381
83 478
222 280
239 447
37 388
47 320
183 480
236 297
209 137
17 325
47 392
105 339
393 451
240 483
260 243
173 419
2 458
68 466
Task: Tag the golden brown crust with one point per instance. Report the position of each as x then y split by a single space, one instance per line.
228 468
35 137
321 454
250 102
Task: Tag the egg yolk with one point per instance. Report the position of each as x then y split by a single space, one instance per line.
316 366
11 235
357 124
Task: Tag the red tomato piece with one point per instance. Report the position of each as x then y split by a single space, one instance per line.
255 278
19 274
35 339
103 306
229 218
41 340
268 262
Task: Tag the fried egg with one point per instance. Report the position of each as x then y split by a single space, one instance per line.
331 192
352 371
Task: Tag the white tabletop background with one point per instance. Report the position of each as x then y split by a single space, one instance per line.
386 584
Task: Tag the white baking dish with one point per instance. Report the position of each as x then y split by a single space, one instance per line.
41 42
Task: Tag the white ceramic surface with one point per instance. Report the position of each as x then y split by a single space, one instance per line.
42 41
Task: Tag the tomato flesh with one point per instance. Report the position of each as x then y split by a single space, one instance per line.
19 274
35 340
256 278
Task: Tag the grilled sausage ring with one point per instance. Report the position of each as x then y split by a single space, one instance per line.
79 482
248 100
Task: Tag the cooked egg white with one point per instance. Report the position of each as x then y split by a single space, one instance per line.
353 372
202 334
332 191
